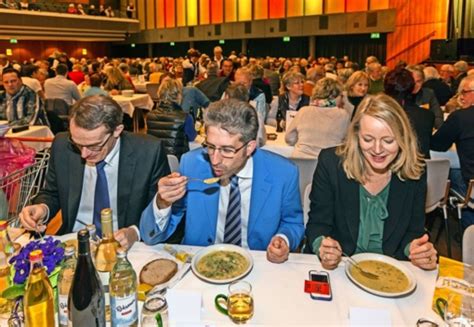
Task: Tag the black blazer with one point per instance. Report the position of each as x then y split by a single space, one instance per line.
142 162
334 208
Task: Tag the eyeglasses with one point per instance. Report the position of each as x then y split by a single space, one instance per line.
93 148
226 152
464 92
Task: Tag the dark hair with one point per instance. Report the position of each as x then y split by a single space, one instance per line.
29 70
95 80
235 117
237 91
11 71
96 110
95 66
61 69
399 84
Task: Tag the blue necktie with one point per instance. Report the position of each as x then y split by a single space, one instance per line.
233 221
101 197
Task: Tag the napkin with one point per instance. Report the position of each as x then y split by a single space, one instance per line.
184 307
369 317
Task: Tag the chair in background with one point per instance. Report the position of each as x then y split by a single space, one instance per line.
57 108
152 90
306 169
306 203
437 195
461 202
468 246
173 163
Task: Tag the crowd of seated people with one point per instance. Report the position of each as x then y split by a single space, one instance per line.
72 8
325 93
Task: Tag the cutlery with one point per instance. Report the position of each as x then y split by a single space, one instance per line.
208 181
362 271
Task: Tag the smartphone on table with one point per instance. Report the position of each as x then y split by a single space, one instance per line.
321 286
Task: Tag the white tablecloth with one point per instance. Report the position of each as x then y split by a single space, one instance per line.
280 300
33 131
140 87
129 104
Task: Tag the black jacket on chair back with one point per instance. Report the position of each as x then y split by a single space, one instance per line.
167 123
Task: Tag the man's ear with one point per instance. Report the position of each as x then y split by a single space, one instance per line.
118 130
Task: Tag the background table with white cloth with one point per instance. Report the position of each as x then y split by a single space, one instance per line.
130 105
280 300
33 131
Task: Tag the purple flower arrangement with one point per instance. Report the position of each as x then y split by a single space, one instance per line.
53 254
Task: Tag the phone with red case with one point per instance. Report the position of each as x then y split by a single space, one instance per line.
321 286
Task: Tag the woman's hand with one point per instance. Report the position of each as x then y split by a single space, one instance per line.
422 253
330 253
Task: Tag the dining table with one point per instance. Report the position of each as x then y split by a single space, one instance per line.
134 105
278 292
43 134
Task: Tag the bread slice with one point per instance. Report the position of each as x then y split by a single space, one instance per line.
158 271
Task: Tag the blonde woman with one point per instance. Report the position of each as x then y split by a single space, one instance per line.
368 194
291 95
356 87
321 125
168 121
116 82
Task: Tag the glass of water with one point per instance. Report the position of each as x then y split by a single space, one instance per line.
459 311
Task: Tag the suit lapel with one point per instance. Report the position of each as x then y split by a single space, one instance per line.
126 173
350 201
76 177
397 195
261 188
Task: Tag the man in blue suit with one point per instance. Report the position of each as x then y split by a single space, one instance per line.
255 203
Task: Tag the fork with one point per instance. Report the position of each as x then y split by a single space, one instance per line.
362 271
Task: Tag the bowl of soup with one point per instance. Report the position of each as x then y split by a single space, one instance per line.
394 278
222 263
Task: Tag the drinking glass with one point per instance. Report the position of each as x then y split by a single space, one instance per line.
239 302
458 311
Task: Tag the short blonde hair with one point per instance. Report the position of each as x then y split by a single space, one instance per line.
326 88
170 91
355 78
290 78
408 164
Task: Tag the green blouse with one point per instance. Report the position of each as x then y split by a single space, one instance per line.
373 212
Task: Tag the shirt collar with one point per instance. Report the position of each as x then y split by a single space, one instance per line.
247 171
110 158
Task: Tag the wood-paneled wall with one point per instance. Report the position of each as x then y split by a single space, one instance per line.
417 22
24 50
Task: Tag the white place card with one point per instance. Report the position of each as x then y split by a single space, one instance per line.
184 307
369 317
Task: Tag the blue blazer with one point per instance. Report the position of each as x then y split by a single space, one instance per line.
275 204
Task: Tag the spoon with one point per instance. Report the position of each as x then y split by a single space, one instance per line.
207 181
362 271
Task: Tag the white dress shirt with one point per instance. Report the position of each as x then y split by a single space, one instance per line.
85 213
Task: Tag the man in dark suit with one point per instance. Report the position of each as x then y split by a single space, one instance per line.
97 160
213 86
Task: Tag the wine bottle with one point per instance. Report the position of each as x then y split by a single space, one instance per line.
123 292
94 240
86 303
106 255
39 296
64 284
279 119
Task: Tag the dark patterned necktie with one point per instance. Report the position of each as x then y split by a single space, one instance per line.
101 197
233 221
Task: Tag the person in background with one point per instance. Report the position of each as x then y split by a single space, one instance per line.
218 57
102 10
80 10
130 10
60 87
255 204
213 86
30 78
425 97
357 87
433 81
399 84
95 81
313 75
258 82
458 129
168 122
125 69
378 176
271 77
109 12
19 104
291 96
322 124
71 9
192 70
227 69
374 70
116 82
92 11
105 168
446 73
460 71
237 91
76 75
24 5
